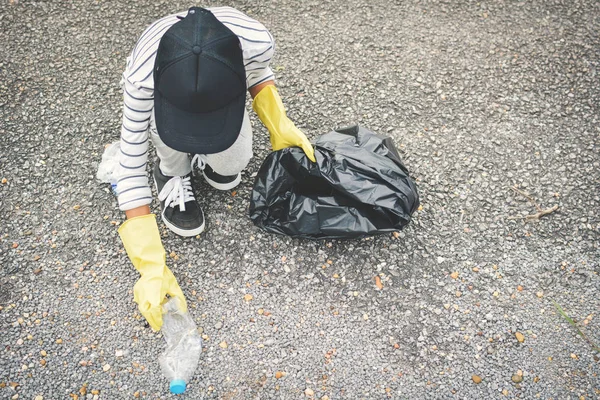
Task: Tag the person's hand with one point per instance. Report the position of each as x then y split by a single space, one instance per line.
142 242
150 293
269 108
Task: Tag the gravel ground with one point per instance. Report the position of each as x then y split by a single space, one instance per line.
478 96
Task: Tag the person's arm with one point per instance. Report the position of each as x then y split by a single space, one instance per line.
283 133
143 245
139 233
133 190
254 90
258 47
137 212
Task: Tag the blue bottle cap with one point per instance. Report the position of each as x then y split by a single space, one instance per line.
177 386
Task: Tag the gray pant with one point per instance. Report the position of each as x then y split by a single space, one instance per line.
228 162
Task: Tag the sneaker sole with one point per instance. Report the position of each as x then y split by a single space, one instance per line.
180 231
223 186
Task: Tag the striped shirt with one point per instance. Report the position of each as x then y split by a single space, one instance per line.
138 94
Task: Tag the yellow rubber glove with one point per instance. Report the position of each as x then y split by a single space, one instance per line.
142 242
269 108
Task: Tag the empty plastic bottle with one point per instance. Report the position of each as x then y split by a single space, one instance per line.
184 345
107 170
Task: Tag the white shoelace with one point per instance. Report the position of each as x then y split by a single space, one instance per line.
177 191
200 161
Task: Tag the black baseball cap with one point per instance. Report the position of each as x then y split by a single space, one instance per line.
199 85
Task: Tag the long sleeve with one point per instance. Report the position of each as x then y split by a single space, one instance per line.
138 104
132 185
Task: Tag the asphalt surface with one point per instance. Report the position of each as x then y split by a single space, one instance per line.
478 96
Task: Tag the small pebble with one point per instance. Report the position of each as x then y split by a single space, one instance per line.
520 337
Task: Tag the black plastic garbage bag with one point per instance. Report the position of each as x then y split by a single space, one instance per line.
357 187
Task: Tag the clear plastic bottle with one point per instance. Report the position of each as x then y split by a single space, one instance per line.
184 345
107 169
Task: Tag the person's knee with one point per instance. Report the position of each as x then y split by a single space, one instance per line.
231 166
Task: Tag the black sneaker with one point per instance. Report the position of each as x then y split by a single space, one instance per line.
220 182
180 211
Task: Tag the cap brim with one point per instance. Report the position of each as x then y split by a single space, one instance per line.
198 133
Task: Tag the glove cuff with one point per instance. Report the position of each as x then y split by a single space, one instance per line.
268 106
141 239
